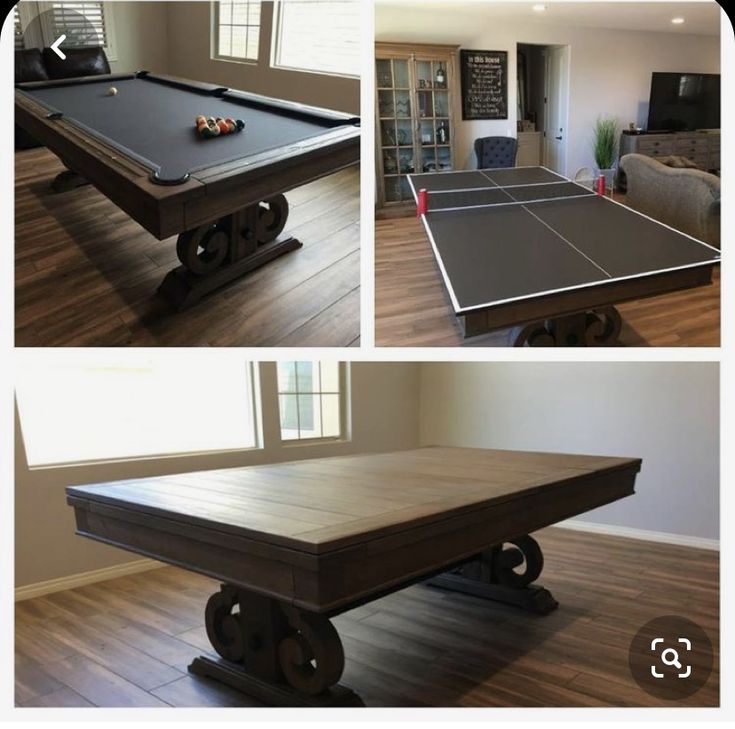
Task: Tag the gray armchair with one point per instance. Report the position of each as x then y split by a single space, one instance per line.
685 199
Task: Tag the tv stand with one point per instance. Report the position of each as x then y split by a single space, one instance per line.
644 132
702 147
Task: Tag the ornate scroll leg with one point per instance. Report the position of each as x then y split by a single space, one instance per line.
274 652
493 575
217 253
603 327
598 328
532 335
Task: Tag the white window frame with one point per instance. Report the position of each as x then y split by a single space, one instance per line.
344 414
29 10
270 450
267 436
214 53
274 44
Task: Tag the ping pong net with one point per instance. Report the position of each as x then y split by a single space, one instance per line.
497 196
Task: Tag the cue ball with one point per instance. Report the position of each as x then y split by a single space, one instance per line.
111 91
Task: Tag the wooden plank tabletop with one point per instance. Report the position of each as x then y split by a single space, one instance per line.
322 504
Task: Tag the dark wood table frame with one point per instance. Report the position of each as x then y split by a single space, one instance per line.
227 217
581 317
459 518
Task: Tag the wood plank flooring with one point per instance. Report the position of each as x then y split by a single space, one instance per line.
127 642
86 274
412 308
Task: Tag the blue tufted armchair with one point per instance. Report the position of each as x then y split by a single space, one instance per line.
493 152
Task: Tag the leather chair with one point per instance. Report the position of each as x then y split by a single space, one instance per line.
29 66
33 64
79 62
494 152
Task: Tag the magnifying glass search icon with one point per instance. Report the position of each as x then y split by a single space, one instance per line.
671 661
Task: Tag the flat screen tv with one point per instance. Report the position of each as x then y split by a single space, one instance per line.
682 102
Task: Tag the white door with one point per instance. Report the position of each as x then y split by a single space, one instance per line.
557 105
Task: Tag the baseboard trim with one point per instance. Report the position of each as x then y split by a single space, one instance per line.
645 535
80 579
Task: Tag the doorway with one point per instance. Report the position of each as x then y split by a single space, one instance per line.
543 104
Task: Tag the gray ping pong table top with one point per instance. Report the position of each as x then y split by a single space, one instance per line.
517 233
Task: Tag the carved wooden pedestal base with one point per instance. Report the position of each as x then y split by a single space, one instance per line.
217 253
492 575
272 694
273 651
598 328
285 656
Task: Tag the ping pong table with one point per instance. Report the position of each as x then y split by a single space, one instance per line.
527 248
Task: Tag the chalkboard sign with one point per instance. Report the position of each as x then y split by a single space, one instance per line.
484 76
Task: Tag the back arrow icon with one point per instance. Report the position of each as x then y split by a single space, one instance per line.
55 47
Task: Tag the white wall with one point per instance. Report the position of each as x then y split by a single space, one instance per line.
384 417
666 413
610 69
141 36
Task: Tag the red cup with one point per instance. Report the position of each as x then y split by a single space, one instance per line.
423 204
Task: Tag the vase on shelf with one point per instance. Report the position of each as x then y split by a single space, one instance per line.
442 133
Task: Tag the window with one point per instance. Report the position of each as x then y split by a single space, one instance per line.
17 30
101 406
309 400
237 29
321 36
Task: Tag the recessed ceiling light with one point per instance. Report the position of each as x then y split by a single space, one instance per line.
677 21
539 8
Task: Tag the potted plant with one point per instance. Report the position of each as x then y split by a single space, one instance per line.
605 147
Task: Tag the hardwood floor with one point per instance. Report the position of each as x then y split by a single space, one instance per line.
86 274
412 308
127 642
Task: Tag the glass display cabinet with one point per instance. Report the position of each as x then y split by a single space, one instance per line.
415 87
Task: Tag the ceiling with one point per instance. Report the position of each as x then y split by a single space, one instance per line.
701 18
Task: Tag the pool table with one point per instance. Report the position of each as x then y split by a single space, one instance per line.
223 197
295 544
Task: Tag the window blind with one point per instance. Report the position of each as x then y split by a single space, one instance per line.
322 36
83 23
17 30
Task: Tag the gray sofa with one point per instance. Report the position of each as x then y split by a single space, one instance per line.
684 198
